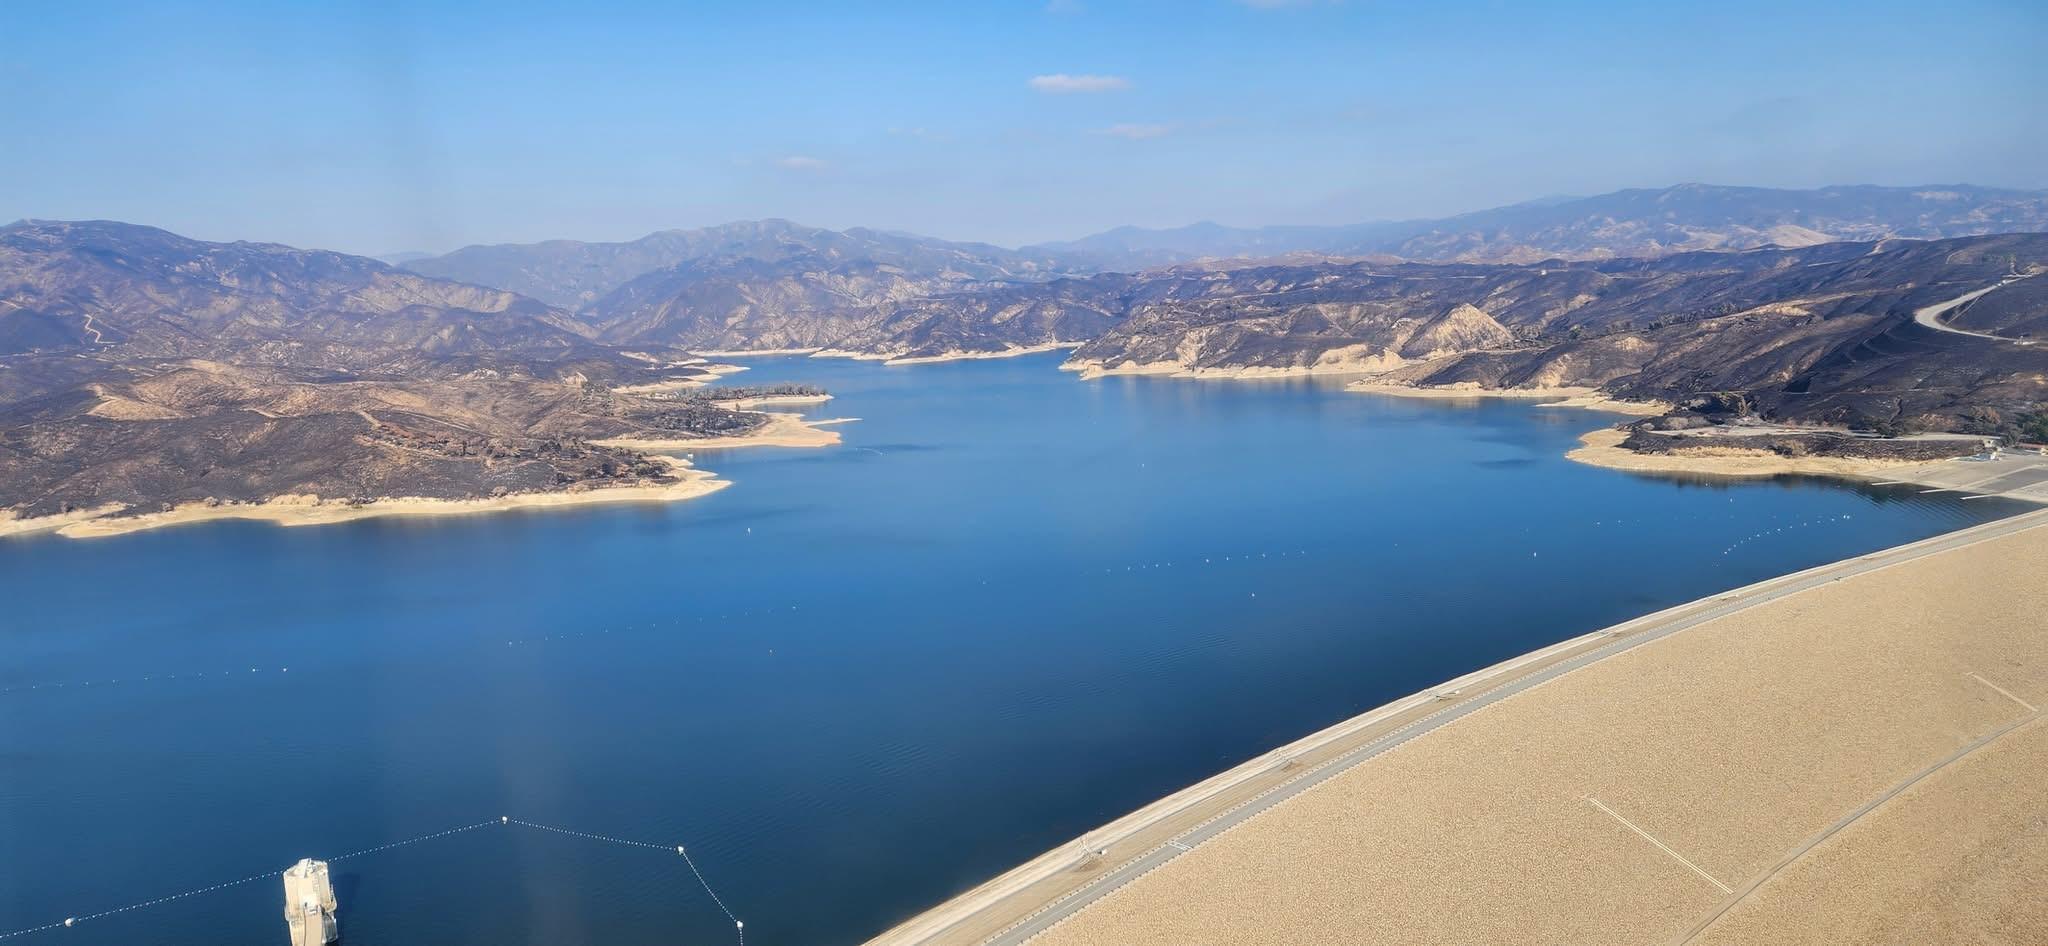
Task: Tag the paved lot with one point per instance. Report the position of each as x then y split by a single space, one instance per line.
2016 475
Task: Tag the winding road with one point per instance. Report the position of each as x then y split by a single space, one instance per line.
1930 316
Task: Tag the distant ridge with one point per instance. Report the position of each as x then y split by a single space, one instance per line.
1637 222
574 274
1641 222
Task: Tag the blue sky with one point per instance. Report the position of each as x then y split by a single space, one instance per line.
376 127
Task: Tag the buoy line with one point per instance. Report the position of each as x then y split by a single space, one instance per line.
188 675
738 926
1797 524
730 615
423 837
724 617
504 820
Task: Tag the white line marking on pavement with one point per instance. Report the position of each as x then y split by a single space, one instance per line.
2001 474
1728 903
2003 691
1645 835
1177 844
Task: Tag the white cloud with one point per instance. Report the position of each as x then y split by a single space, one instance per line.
799 162
1136 132
920 133
1059 83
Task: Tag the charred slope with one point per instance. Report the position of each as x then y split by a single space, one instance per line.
129 292
746 303
773 284
859 305
142 368
1064 311
1824 333
209 432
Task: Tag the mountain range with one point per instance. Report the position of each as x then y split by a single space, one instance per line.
140 368
1643 222
773 284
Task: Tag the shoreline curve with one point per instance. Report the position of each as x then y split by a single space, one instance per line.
294 510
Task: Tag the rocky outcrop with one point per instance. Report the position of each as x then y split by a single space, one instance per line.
1466 327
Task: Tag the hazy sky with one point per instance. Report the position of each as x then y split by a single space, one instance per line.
376 127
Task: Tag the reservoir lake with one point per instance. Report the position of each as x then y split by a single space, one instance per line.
1010 607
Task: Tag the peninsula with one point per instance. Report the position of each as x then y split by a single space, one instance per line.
154 380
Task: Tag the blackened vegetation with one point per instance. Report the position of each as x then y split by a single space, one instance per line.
1645 439
741 392
572 460
1819 335
143 370
694 415
140 368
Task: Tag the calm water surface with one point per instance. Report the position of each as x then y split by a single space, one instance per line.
1012 606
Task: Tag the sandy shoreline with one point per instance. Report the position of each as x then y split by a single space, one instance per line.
1581 397
772 400
962 355
1174 369
849 355
1011 352
310 510
1600 448
666 386
706 373
782 430
18 526
1603 448
752 353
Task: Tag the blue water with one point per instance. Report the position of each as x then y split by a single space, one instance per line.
1012 606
